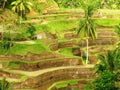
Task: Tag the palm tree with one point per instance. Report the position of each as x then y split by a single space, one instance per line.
110 61
86 26
21 7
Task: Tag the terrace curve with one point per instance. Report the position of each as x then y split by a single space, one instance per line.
39 79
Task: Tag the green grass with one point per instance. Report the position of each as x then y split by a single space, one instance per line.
109 10
57 26
80 9
25 48
68 10
22 49
107 22
62 25
54 17
39 7
62 84
66 51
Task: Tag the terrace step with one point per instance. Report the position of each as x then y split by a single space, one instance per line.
36 79
44 64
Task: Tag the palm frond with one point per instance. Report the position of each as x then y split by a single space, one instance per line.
102 59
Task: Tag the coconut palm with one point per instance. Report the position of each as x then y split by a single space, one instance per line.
21 7
86 26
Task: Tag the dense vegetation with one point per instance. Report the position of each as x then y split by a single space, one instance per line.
108 4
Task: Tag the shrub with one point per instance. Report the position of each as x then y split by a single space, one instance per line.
4 85
105 81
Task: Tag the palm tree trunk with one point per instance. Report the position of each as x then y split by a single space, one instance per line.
21 17
87 54
3 4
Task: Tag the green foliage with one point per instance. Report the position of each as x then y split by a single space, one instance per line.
31 30
105 81
13 65
56 27
62 24
107 22
62 84
117 29
110 61
21 6
4 85
68 3
43 27
22 49
109 4
39 6
86 27
84 58
6 42
108 71
20 32
66 51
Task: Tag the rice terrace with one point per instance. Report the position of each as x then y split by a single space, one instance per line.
59 44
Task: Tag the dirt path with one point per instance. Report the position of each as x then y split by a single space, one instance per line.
39 72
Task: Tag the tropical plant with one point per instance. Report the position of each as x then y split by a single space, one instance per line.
31 30
108 71
110 61
86 27
105 81
117 30
110 4
6 40
21 7
4 85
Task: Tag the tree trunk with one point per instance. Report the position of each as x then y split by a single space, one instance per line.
3 4
21 17
87 54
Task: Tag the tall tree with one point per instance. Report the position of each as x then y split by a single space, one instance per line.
21 7
86 26
4 2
